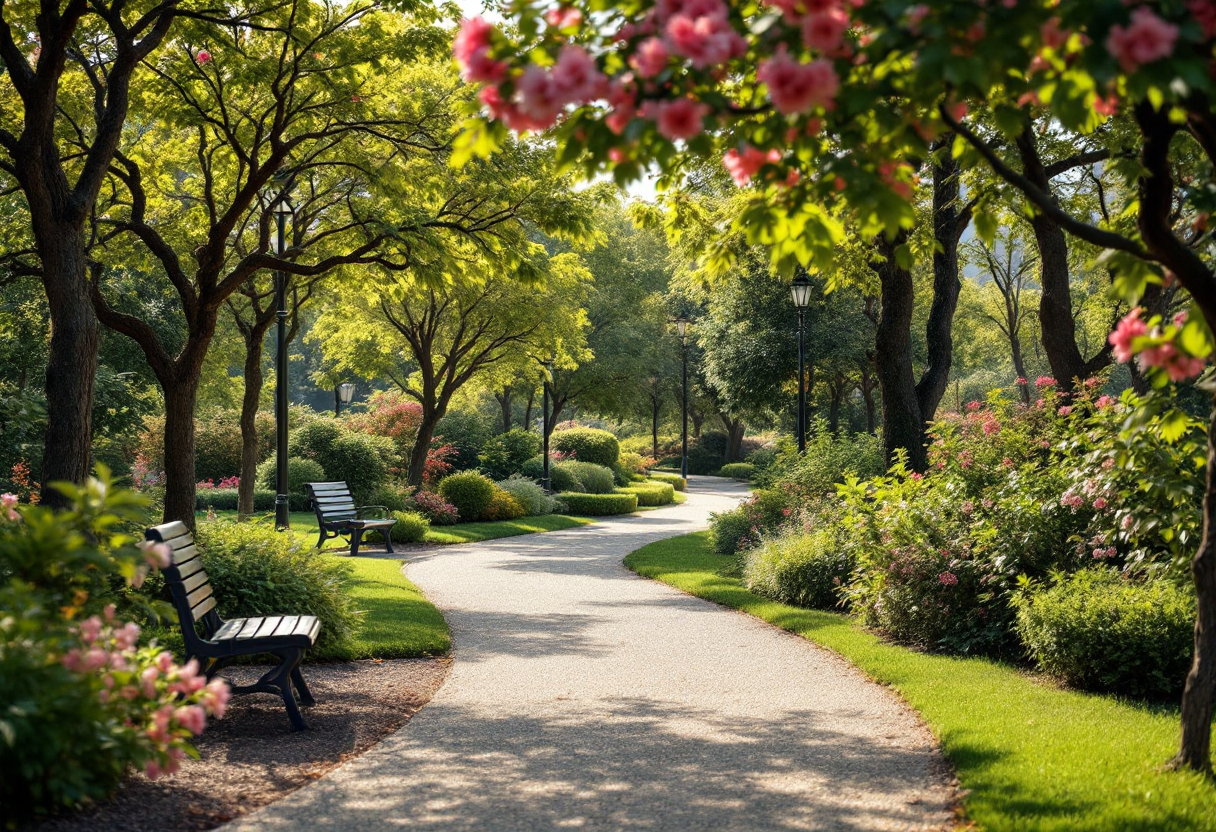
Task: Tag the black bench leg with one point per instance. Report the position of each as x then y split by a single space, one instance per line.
321 540
302 691
388 540
356 536
282 679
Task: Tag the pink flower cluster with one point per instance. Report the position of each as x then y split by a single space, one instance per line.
1204 11
210 484
1165 354
1145 39
1044 381
8 503
743 166
161 703
948 579
795 87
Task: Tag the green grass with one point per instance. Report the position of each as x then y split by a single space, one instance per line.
399 621
1031 756
304 523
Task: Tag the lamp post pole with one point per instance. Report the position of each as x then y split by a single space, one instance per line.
682 331
282 520
801 293
545 481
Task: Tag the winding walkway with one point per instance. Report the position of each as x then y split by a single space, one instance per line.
582 696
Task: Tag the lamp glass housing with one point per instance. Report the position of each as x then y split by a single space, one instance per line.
681 326
800 290
346 392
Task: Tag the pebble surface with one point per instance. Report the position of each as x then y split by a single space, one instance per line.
584 697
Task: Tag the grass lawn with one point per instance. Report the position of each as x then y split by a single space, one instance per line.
399 621
1031 756
304 523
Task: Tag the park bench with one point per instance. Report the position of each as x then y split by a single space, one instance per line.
337 515
283 636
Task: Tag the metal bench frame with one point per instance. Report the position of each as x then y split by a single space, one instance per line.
338 516
222 642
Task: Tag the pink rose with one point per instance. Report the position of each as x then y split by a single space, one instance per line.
1145 39
680 119
825 31
576 78
1128 329
650 58
203 56
744 166
794 87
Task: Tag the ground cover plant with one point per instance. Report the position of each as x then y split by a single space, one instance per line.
1032 757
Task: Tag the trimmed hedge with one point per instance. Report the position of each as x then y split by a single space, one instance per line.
653 493
677 482
224 499
594 479
600 505
503 506
738 471
470 491
1099 631
411 527
588 445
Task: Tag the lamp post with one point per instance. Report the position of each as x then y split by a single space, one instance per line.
682 331
343 393
282 521
545 480
801 292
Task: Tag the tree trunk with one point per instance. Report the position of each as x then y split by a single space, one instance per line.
504 404
867 395
734 430
71 369
422 446
698 421
180 480
654 427
902 425
1019 366
254 381
1057 327
836 388
1195 748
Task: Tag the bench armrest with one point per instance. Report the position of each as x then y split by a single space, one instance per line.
372 513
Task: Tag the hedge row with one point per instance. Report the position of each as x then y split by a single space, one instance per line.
653 493
743 471
677 482
600 505
224 499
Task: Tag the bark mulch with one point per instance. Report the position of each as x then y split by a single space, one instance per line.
251 757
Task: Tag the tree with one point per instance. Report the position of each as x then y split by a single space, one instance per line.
431 339
1010 270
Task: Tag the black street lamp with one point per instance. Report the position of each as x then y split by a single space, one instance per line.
801 292
682 330
343 393
282 521
545 480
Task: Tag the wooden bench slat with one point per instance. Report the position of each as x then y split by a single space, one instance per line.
193 599
194 581
203 608
285 625
185 570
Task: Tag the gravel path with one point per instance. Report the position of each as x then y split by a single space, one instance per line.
582 696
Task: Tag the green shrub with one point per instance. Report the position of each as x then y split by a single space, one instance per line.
392 497
595 479
707 453
762 458
632 462
742 471
435 509
1099 631
742 528
469 491
600 505
505 454
588 445
361 461
805 569
467 431
652 493
411 527
258 571
559 479
314 439
503 506
829 459
225 499
299 471
677 482
529 495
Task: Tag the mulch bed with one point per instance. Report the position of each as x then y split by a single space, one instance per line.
252 757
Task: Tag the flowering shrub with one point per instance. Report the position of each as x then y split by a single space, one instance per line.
436 509
84 702
440 460
226 482
744 527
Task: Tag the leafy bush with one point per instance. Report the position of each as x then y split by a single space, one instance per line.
64 739
362 462
505 454
469 491
634 463
829 459
677 482
466 431
258 571
529 495
435 509
217 442
738 471
392 415
652 493
225 499
314 439
299 471
411 527
587 445
595 479
600 505
503 506
1099 631
392 497
559 479
806 569
707 452
742 528
762 457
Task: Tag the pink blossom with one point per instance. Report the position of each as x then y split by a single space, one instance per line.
8 503
216 696
1103 401
1044 381
967 507
974 405
744 166
203 56
159 555
1007 462
617 156
1145 39
1053 36
1127 522
623 102
825 31
706 41
127 637
90 629
1100 503
680 119
164 661
1204 11
1072 500
1022 380
563 18
916 16
916 475
575 76
191 717
650 58
1064 410
147 681
794 87
1128 329
948 579
991 427
471 49
538 97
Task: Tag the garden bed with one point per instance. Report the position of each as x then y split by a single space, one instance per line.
1029 755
